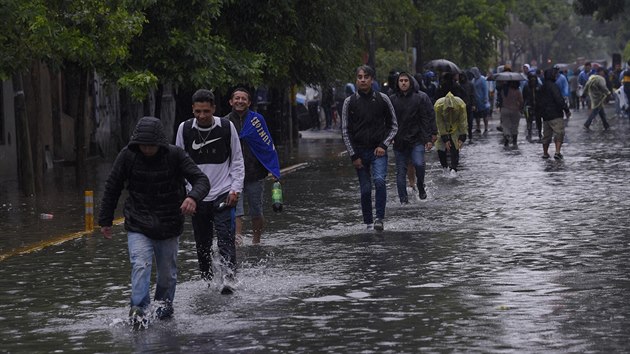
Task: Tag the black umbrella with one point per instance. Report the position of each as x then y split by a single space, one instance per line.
442 65
508 76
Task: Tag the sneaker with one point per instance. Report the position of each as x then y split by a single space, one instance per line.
238 240
207 276
545 156
369 226
478 130
586 127
164 311
558 156
445 171
137 318
453 173
229 284
422 194
378 225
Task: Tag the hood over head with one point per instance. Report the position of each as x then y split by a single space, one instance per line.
414 85
550 74
475 71
148 131
449 100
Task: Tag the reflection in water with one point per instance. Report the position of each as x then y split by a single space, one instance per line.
517 254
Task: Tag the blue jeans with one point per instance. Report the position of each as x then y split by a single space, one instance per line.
373 168
141 252
597 110
416 154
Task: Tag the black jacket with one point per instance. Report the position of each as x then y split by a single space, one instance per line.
416 119
550 104
155 185
368 121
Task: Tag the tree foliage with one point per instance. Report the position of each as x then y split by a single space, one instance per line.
178 44
463 31
603 10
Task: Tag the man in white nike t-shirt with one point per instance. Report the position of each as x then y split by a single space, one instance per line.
214 145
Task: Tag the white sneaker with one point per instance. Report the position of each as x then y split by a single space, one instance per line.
229 285
445 171
453 173
370 226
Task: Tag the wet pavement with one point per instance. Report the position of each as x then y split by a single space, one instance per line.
516 254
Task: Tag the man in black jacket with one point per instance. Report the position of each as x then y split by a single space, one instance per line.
154 173
368 126
416 126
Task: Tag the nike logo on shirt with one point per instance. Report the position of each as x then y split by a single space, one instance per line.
196 146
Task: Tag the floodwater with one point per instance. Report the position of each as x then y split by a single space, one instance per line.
517 254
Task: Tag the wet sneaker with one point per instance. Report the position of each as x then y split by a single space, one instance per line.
445 171
378 225
453 173
137 319
164 311
422 194
229 285
207 277
545 156
369 226
558 156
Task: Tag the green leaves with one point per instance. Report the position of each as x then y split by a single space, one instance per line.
138 83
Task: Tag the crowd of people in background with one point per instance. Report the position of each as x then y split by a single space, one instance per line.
412 112
223 161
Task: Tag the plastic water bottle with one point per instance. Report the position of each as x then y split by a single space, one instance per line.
276 197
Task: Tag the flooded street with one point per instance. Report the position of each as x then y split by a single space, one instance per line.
517 254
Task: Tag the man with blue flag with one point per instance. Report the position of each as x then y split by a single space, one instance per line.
260 156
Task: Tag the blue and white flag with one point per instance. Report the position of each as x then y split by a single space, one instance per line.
257 136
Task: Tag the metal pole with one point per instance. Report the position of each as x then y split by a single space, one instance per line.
89 211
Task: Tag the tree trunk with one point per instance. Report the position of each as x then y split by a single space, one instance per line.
55 94
417 41
34 112
79 130
158 101
26 175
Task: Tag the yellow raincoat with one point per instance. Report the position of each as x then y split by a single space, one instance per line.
597 90
452 122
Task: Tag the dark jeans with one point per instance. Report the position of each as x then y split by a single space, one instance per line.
205 221
313 113
471 118
454 157
602 114
416 155
373 168
328 113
